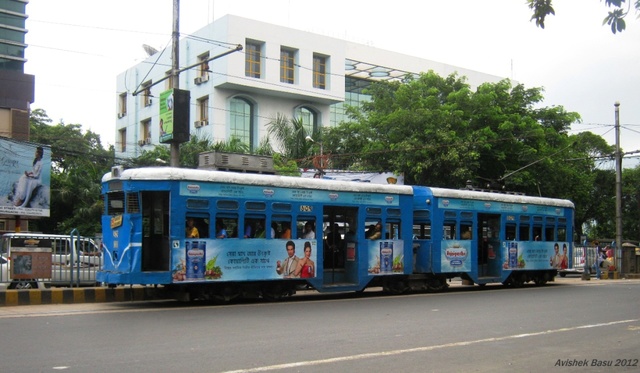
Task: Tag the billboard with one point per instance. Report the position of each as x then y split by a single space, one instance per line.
174 116
26 178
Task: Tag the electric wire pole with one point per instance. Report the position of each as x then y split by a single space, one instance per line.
175 66
618 247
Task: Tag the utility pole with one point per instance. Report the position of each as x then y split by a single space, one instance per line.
618 248
175 66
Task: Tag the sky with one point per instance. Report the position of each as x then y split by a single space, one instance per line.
78 47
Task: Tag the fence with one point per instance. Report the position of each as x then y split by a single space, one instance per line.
29 260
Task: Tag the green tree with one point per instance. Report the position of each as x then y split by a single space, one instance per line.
291 136
615 17
78 162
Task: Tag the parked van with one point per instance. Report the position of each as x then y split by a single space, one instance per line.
40 259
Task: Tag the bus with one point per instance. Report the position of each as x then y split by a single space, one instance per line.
252 239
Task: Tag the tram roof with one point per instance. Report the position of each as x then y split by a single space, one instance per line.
189 174
499 197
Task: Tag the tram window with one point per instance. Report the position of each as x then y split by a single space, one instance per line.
278 206
510 232
115 203
374 211
255 206
562 233
449 231
393 230
196 227
253 226
260 225
549 233
393 212
197 204
282 226
133 203
525 232
227 205
226 227
374 229
537 233
421 231
306 228
450 214
466 231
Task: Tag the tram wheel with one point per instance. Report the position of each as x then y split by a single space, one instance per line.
516 280
540 281
437 284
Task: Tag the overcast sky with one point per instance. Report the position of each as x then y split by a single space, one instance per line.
78 47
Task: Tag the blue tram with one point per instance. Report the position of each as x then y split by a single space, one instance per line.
267 235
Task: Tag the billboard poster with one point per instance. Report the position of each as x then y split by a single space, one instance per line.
166 116
522 255
26 178
385 257
201 259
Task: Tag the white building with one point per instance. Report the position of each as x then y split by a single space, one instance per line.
279 70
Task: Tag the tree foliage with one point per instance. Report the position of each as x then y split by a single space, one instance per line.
439 132
78 163
615 17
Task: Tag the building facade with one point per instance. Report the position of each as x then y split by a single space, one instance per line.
242 74
16 87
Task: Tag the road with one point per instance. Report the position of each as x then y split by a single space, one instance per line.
558 327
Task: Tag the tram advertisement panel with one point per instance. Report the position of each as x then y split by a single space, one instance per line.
385 257
535 255
225 260
456 256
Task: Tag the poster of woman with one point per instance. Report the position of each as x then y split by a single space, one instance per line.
25 187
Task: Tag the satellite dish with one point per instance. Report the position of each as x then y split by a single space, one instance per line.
149 49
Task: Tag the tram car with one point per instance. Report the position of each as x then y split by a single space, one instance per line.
202 234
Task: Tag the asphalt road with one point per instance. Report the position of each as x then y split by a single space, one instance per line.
564 326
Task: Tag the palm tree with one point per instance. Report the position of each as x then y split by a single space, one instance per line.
290 135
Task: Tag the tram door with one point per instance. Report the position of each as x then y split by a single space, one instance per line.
155 231
489 245
339 246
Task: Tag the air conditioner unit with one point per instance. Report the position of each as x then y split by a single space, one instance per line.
204 78
149 102
147 141
116 171
197 80
121 115
141 142
198 123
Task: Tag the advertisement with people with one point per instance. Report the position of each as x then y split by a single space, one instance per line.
25 185
519 255
223 259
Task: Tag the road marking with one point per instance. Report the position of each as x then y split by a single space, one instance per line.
421 349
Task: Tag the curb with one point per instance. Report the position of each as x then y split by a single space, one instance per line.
74 295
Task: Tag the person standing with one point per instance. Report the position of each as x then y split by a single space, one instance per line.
289 265
598 260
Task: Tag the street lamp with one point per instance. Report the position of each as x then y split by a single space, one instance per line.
310 139
319 162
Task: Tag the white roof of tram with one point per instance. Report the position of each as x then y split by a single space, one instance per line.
198 175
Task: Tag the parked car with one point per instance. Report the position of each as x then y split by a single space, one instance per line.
73 261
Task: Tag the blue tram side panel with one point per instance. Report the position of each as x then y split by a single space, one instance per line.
511 238
153 204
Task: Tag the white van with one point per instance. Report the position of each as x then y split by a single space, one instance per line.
40 259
